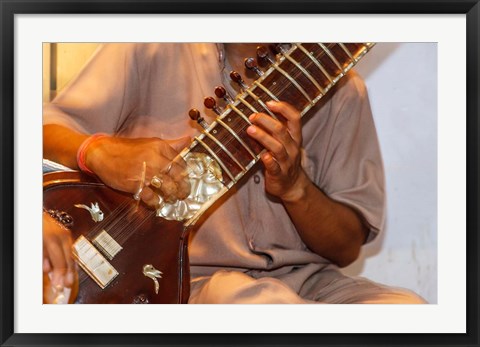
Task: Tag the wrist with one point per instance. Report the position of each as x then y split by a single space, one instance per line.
298 190
82 152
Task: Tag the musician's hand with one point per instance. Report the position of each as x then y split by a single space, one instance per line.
118 162
57 253
284 175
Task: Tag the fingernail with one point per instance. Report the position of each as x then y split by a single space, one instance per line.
271 103
251 130
252 117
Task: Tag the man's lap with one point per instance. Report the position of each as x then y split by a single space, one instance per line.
324 287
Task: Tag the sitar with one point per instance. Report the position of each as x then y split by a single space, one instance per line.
129 254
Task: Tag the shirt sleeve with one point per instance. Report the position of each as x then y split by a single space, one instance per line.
351 169
102 95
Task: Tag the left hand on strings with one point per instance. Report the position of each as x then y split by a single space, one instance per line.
284 175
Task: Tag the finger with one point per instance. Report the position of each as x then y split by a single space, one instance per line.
150 197
133 184
165 186
179 144
169 189
170 181
293 118
183 188
58 260
171 148
67 251
269 142
276 128
271 165
178 171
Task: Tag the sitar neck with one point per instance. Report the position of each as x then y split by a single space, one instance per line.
220 156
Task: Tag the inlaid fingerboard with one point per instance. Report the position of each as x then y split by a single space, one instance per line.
301 76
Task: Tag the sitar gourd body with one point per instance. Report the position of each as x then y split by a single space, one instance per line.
144 240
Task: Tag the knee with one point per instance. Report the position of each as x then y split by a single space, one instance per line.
410 298
238 288
221 288
399 296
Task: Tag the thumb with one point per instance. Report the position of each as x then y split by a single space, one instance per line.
180 143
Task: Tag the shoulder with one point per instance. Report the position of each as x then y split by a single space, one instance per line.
137 51
351 88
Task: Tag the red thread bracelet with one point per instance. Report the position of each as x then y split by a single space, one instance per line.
83 149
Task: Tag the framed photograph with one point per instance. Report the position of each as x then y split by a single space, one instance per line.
422 51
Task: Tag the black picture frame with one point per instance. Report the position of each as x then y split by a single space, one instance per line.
10 8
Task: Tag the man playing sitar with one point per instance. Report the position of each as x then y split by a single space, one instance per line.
275 232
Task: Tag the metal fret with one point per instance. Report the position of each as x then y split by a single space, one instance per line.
292 80
345 49
257 99
316 62
332 57
219 161
366 47
246 103
240 113
234 134
305 72
262 87
221 145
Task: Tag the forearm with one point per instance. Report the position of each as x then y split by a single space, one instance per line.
329 228
61 144
119 162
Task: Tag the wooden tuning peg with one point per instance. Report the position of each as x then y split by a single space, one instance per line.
262 54
211 104
237 78
222 93
194 115
278 47
251 64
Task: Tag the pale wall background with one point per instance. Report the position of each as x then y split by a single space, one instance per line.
402 83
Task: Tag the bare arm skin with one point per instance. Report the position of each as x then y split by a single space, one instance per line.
60 144
118 162
330 229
